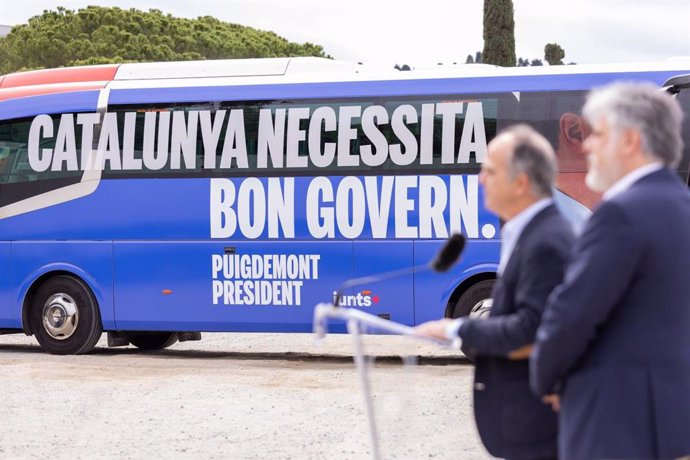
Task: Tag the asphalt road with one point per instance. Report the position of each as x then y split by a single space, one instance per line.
236 396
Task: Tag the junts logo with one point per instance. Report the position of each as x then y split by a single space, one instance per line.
364 298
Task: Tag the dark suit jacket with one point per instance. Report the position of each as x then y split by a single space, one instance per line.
512 421
616 333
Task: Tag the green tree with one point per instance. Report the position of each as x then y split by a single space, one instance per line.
99 35
554 54
499 33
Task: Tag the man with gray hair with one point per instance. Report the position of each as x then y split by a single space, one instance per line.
613 348
518 177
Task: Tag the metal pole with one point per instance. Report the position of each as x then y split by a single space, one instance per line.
353 329
355 319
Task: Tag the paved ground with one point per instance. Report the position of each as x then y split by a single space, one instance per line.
239 396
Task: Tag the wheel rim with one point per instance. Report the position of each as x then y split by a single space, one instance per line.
481 309
60 316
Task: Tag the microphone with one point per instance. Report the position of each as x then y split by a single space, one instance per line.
449 253
446 257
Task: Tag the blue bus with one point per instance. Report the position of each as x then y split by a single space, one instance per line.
156 201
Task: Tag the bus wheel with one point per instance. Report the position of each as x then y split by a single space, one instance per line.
153 341
475 302
64 316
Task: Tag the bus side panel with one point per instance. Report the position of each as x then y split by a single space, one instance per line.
226 285
90 261
392 296
8 313
432 290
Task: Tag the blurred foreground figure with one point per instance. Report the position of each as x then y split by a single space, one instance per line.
518 178
614 342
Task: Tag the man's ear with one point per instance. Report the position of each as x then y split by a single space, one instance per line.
631 141
572 130
523 184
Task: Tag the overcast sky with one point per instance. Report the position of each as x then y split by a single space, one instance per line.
422 33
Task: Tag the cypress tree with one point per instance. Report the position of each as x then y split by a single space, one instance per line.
499 33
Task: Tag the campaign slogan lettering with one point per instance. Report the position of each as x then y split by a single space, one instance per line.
347 207
154 140
319 139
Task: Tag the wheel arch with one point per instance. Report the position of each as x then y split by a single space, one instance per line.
33 284
462 287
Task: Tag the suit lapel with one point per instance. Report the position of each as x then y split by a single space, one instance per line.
506 283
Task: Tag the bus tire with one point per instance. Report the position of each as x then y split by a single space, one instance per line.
471 302
64 316
153 341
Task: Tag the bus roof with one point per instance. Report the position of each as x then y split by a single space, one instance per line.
272 71
294 68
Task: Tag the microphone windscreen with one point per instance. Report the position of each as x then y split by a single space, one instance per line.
449 253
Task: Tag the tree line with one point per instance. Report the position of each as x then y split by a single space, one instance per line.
99 35
102 35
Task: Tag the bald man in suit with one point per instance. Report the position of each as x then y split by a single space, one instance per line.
518 178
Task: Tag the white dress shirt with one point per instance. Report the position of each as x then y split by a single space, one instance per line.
512 230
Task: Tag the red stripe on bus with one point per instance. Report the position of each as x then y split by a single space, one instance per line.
97 73
40 90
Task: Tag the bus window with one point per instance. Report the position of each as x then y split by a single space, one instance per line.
18 179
